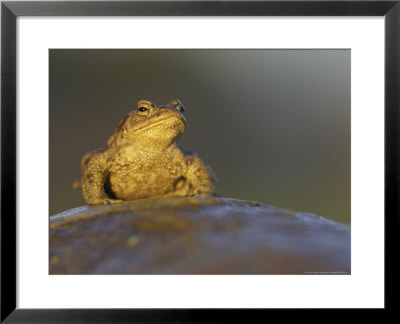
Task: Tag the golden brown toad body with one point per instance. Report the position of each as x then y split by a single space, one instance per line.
142 160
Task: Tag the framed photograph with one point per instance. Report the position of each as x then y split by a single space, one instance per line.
160 158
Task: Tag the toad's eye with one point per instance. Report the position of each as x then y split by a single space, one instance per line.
144 111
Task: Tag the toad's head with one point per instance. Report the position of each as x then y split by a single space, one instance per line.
151 125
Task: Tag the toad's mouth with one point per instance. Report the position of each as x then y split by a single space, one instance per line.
162 120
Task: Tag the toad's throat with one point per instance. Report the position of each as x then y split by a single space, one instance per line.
154 124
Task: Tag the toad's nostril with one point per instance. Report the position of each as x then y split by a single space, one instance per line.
180 108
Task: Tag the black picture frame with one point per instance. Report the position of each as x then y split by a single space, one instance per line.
11 10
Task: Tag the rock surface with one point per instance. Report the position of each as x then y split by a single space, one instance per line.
192 235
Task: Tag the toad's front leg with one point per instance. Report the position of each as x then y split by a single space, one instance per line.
94 179
202 180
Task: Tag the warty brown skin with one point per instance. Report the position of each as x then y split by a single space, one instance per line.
142 160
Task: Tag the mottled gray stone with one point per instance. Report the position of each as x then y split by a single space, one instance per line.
192 235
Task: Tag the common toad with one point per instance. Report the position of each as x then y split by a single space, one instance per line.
142 160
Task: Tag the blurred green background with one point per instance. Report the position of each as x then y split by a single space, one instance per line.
273 124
